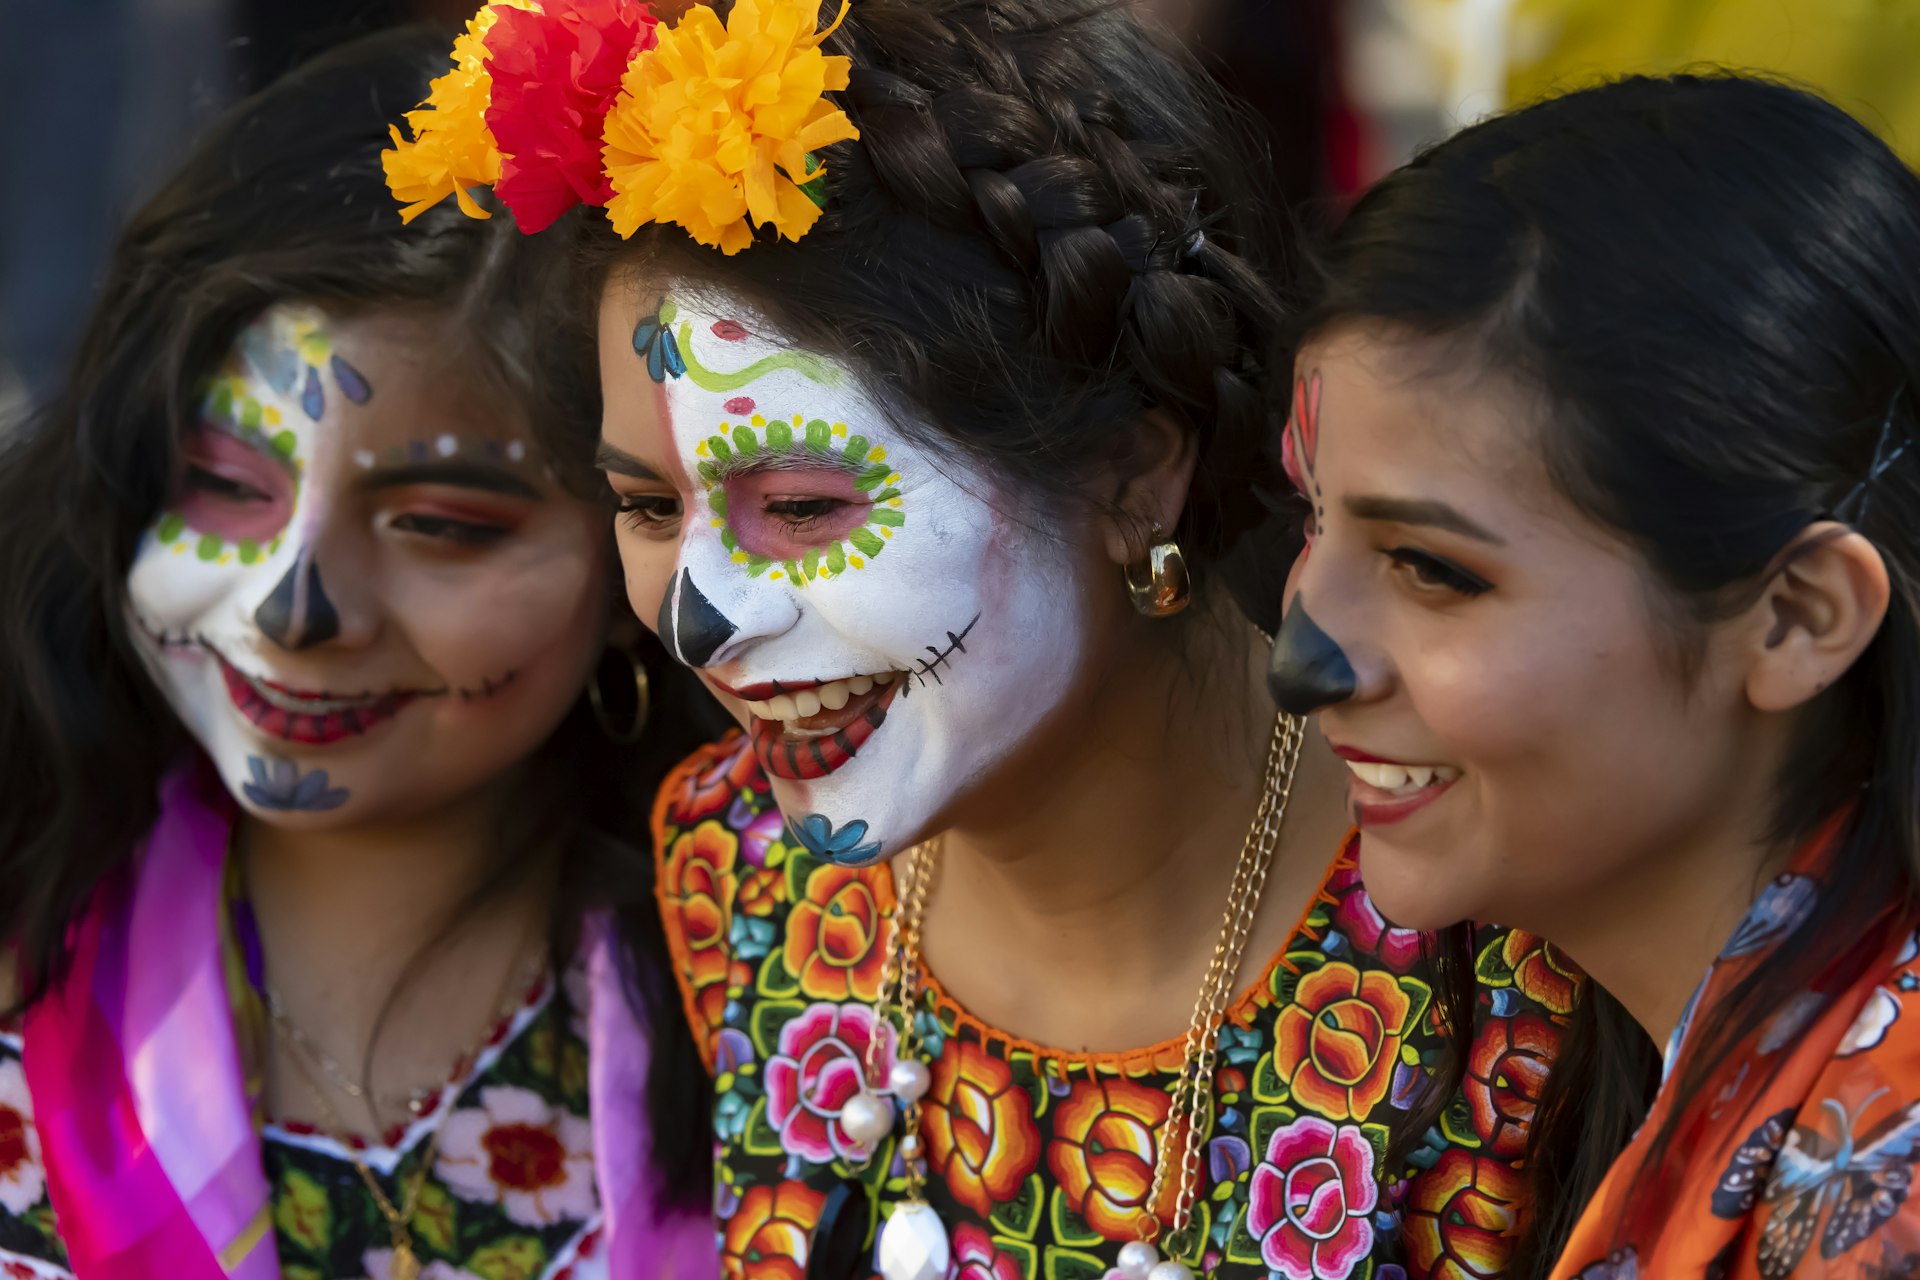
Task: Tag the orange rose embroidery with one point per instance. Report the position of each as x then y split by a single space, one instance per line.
834 936
978 1127
697 891
1339 1040
701 793
1542 971
1459 1214
767 1235
761 892
1103 1151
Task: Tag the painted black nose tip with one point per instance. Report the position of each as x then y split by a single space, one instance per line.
298 614
689 623
1308 670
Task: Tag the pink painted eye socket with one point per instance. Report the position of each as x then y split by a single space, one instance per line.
230 489
783 513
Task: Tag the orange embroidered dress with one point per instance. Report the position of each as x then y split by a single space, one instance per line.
1039 1160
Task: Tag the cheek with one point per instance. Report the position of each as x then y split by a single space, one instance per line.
646 566
175 583
545 606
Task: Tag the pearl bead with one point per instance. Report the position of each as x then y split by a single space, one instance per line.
867 1118
910 1147
1171 1271
1137 1259
909 1080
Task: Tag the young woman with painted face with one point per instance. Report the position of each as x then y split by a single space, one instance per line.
918 485
1607 420
306 797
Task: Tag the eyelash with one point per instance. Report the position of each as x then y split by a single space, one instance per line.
1431 571
800 514
220 486
462 533
648 512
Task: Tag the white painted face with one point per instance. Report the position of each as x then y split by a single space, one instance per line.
867 607
368 597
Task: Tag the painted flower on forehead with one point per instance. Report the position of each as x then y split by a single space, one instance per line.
556 73
451 149
715 126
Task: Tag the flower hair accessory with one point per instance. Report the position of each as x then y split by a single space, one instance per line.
711 126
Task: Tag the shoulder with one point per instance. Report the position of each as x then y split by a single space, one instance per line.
29 1240
713 823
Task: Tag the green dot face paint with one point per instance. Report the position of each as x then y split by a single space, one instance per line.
888 619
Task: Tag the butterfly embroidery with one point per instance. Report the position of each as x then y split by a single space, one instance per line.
1622 1264
1858 1184
1739 1187
652 339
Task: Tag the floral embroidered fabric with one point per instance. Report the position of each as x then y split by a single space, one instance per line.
1040 1161
511 1196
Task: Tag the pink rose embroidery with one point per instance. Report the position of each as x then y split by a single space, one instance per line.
822 1054
1311 1198
1357 917
976 1258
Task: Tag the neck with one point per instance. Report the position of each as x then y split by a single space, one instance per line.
359 925
1690 896
1107 848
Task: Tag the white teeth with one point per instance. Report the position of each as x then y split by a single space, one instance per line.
836 695
1401 778
807 703
795 728
858 685
305 706
885 677
782 708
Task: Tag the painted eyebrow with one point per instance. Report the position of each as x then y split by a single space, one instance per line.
609 458
461 475
1421 511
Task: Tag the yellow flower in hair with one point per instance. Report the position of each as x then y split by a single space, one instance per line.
714 126
451 149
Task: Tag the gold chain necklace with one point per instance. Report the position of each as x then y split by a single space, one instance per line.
406 1264
913 1243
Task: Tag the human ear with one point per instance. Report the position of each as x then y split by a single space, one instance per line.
1817 615
1147 483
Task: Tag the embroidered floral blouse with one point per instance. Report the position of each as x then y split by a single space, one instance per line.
1039 1160
511 1196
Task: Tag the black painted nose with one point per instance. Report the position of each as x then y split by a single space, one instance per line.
689 623
1308 669
298 614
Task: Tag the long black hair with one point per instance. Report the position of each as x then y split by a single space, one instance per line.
284 200
1049 226
1713 281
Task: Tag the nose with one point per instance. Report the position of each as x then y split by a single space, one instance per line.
298 614
689 623
1308 670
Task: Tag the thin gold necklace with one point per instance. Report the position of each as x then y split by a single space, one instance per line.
406 1263
913 1243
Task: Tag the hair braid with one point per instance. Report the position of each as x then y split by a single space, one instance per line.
1046 227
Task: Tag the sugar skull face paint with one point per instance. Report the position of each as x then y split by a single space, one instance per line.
888 621
366 596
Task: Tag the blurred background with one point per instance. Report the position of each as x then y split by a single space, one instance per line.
99 97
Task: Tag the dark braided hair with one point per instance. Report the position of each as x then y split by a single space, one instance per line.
1048 227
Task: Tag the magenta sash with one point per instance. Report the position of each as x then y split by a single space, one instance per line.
151 1149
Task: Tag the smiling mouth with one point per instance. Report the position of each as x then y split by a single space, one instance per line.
808 730
308 718
1381 792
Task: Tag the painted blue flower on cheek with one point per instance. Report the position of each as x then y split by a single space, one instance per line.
816 831
278 785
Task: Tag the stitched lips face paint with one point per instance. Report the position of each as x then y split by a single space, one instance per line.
366 596
887 621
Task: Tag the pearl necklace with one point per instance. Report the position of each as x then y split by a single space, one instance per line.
913 1243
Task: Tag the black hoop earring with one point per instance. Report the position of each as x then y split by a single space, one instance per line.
628 734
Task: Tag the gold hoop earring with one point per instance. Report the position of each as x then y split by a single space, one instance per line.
1167 589
619 735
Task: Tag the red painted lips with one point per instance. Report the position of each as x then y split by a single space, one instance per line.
326 723
804 757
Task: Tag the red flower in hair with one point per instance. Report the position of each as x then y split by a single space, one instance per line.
556 74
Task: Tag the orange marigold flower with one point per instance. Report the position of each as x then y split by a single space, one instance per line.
835 935
714 126
452 148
